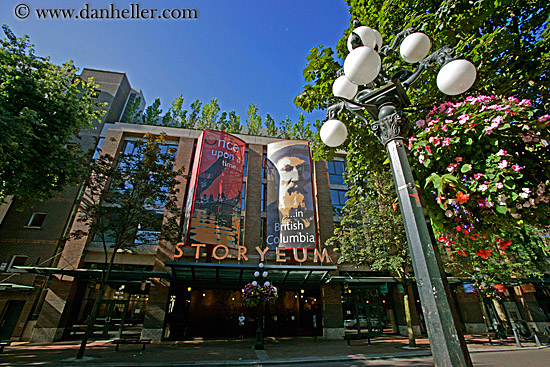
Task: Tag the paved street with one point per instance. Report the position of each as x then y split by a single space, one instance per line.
297 351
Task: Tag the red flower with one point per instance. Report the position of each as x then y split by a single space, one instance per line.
458 228
504 244
462 253
462 198
465 231
394 205
484 254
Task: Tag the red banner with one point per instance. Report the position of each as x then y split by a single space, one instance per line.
214 205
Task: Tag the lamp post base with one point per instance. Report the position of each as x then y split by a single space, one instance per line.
259 345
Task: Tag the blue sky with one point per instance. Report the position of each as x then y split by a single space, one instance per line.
240 51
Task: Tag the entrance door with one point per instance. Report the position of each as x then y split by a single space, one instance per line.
9 319
113 317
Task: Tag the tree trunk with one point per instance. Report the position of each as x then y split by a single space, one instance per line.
407 296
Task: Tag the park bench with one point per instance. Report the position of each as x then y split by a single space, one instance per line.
143 342
4 344
368 336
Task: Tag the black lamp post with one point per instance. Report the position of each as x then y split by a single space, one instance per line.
383 99
260 274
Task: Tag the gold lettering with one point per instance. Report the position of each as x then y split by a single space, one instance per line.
180 252
220 257
262 253
322 256
198 246
281 255
242 252
304 252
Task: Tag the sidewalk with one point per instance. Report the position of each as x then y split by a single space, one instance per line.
231 352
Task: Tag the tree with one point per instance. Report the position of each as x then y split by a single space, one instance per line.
43 107
508 41
372 229
253 120
209 115
122 202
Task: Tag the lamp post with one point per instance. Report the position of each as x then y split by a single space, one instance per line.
384 98
260 274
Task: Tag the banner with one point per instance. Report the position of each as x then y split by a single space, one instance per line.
290 205
214 202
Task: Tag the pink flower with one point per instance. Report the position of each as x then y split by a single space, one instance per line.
452 167
483 188
526 138
488 130
428 149
544 118
525 102
481 203
503 164
499 185
446 142
502 152
458 159
421 158
516 168
434 140
449 111
462 119
444 128
497 120
477 176
420 123
513 99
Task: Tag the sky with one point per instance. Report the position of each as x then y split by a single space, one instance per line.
238 51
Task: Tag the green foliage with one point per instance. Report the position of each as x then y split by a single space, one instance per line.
253 120
43 106
209 115
371 232
508 41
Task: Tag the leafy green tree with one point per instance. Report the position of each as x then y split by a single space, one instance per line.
152 114
234 123
194 114
253 120
271 126
209 115
43 107
121 202
371 234
176 115
508 41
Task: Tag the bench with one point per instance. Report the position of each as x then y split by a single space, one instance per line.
368 336
4 344
143 342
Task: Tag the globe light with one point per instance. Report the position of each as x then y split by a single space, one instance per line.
265 274
267 283
261 265
415 47
254 283
342 87
333 133
256 274
367 35
362 65
456 77
379 41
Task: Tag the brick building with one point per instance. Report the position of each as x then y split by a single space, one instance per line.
164 291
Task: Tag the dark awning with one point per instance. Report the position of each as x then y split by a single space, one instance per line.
116 275
214 274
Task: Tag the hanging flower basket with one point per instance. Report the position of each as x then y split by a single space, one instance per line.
254 293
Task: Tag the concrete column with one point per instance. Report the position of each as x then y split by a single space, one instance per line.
153 326
333 316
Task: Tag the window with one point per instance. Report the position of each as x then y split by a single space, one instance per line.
336 171
338 198
264 165
263 198
36 221
245 163
243 199
98 147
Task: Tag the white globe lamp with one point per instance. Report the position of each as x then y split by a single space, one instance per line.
333 133
415 47
254 283
367 35
379 40
342 87
362 65
456 77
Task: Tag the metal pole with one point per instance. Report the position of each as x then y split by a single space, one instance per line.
260 332
447 348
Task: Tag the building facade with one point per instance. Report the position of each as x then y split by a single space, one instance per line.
193 289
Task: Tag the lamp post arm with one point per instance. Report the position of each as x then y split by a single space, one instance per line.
385 50
442 56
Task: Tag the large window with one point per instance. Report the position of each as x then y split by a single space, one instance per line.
338 198
336 170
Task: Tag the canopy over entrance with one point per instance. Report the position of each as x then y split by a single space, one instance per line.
224 275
